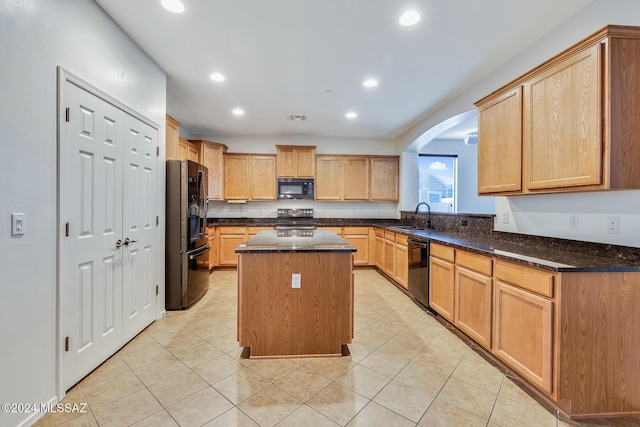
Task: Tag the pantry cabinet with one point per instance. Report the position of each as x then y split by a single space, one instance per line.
579 121
296 161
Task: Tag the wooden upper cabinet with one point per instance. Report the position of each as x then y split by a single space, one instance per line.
236 176
172 137
580 121
500 131
296 161
249 176
187 150
384 180
328 177
355 175
212 156
263 177
562 126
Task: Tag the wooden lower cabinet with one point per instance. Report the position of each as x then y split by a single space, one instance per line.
474 296
379 251
229 239
442 280
523 327
358 237
388 253
401 260
214 254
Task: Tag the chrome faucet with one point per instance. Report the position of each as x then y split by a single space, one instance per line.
429 226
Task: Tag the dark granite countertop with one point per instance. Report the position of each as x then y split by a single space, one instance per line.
559 260
558 255
295 241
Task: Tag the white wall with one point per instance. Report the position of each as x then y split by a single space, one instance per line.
321 209
548 214
35 37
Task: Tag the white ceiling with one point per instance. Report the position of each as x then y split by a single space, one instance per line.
281 56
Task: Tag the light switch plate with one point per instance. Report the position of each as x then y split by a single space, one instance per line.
17 224
295 280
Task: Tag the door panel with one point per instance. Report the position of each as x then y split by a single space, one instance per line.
91 203
139 207
108 191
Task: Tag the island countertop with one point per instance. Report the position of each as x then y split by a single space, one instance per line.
295 241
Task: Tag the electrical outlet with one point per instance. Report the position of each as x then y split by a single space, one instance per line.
573 221
295 280
505 217
613 225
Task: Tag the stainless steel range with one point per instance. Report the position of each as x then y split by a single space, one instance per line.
295 219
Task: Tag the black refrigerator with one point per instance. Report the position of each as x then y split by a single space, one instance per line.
187 248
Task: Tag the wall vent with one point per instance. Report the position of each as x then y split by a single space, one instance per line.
298 117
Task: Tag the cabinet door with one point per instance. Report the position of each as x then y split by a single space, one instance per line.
388 256
263 178
473 300
193 154
328 178
212 156
355 175
379 252
441 287
384 178
172 137
228 245
500 143
214 258
562 124
306 162
523 333
401 264
236 176
361 242
183 150
286 162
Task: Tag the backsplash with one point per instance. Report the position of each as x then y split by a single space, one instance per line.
385 210
474 224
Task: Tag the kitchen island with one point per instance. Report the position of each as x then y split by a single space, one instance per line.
295 293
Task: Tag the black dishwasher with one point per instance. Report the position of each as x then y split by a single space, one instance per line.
418 283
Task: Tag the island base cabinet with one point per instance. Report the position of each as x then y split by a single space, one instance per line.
277 320
523 338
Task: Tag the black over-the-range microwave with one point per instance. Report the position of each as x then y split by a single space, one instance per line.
295 188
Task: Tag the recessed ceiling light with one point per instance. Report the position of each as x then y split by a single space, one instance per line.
217 77
370 83
410 17
174 6
238 112
351 115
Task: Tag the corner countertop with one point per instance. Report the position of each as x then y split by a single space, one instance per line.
295 241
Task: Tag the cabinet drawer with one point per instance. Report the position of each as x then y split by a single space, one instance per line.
532 279
389 235
475 262
232 230
379 231
355 230
443 252
401 238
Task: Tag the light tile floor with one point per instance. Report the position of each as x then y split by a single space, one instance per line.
405 369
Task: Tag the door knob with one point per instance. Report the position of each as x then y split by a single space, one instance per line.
119 243
127 241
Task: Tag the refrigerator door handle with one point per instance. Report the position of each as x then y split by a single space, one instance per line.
197 252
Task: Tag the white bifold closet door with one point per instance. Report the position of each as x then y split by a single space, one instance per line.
108 202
